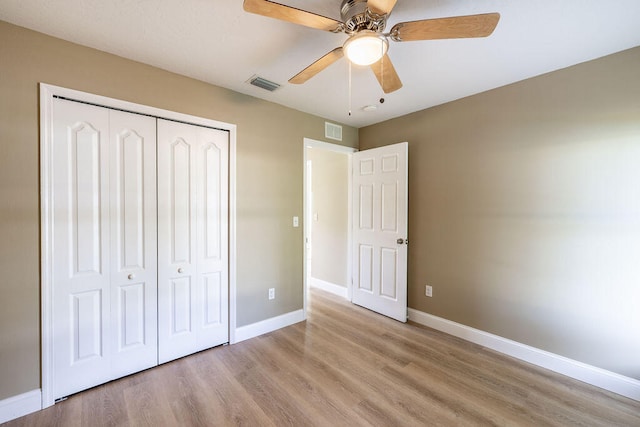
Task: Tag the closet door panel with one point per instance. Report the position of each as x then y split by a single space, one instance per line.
133 242
212 227
177 272
81 282
193 238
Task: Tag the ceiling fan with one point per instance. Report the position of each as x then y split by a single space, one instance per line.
364 21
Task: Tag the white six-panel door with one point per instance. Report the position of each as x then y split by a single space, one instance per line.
380 230
192 238
104 262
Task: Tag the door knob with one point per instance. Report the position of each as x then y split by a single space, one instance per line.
180 270
400 241
130 276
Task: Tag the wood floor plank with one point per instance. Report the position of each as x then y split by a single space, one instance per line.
456 375
273 399
227 400
358 364
344 366
305 385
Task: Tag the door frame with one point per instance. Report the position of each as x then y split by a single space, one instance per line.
306 212
47 94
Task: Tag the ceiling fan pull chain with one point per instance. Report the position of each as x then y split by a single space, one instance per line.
382 52
349 87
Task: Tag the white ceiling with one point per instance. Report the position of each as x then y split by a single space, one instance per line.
217 42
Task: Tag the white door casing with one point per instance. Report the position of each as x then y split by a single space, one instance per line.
380 201
192 238
308 221
104 230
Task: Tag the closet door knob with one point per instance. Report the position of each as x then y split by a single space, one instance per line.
130 276
180 270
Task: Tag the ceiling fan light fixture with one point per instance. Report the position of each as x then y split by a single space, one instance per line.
365 47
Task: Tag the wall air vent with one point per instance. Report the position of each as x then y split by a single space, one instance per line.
263 83
332 131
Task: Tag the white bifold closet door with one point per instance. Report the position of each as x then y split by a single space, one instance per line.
104 239
192 238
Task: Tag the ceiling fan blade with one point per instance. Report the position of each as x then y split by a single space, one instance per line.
381 7
446 28
386 75
291 14
317 66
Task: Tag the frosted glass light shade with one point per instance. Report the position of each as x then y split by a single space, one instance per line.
366 47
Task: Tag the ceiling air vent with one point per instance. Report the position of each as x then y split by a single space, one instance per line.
332 131
263 83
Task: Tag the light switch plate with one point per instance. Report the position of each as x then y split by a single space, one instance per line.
295 221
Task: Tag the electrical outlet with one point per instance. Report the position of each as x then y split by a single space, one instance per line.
428 291
272 293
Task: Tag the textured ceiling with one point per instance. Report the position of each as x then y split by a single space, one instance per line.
217 42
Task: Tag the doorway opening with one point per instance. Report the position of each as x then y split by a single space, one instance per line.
327 218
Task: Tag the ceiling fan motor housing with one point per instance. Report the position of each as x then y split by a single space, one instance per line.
357 16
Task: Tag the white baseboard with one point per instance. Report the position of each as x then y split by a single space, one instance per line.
598 377
20 405
268 325
341 291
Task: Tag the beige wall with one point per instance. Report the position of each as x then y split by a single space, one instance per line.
269 180
525 210
330 231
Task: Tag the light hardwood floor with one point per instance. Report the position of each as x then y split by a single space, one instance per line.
344 366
